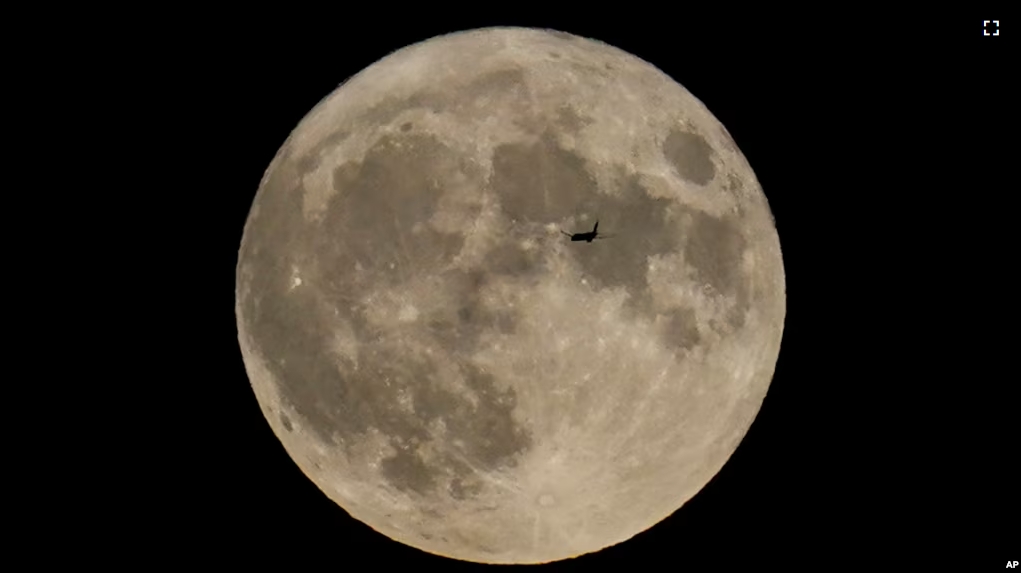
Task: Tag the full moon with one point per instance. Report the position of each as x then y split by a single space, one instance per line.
450 368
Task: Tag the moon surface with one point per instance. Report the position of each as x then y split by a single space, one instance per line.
451 370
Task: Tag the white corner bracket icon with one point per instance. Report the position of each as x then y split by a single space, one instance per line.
995 27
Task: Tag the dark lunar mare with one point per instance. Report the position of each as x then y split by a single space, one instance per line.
366 223
542 182
690 155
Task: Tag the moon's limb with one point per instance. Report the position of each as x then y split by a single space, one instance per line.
442 364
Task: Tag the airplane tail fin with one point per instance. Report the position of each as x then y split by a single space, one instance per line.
596 227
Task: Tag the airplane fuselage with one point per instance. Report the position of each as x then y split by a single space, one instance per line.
587 237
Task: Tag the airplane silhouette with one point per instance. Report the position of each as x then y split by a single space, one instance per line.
587 237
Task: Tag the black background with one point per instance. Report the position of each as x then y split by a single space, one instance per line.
881 143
